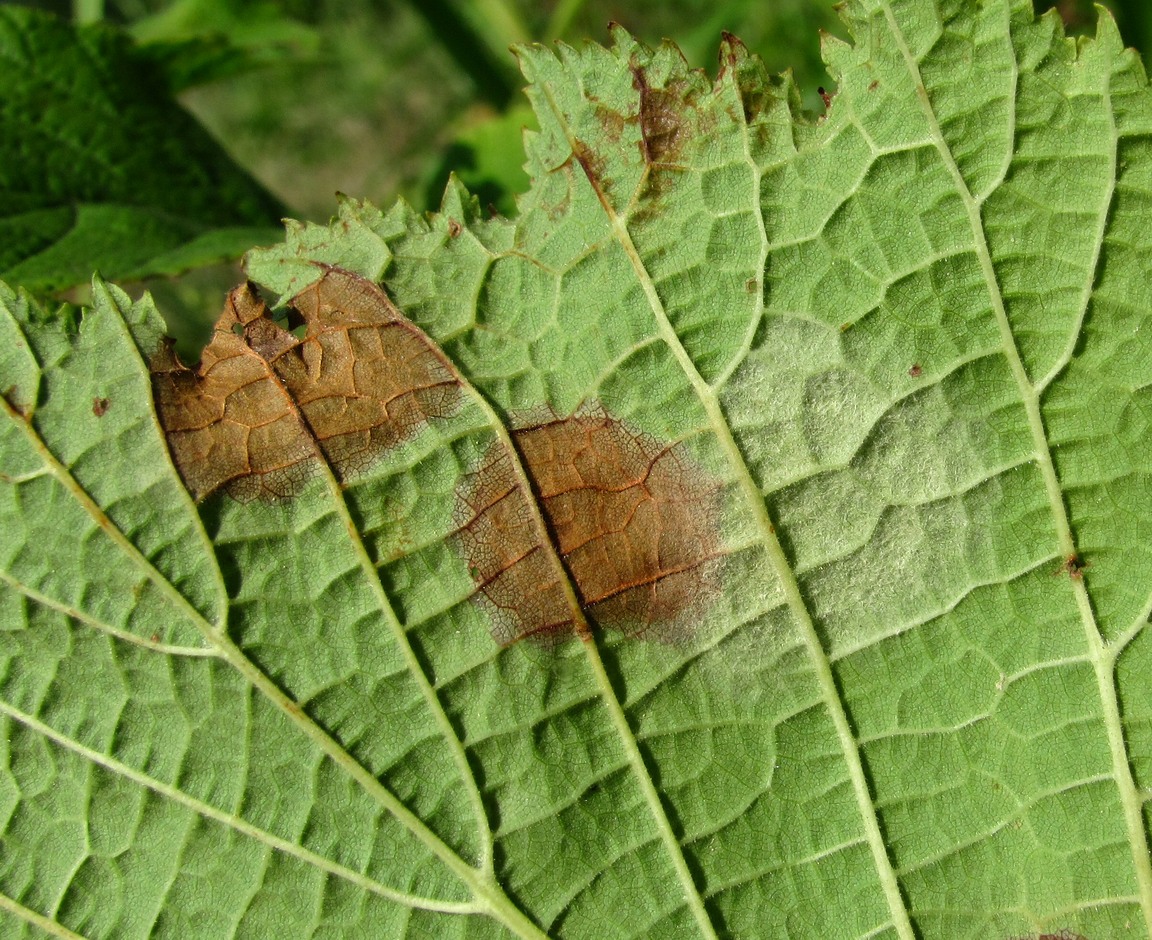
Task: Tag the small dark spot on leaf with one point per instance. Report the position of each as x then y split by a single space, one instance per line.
454 228
1073 566
155 638
727 54
11 396
825 96
1059 935
99 406
915 371
751 285
874 85
612 121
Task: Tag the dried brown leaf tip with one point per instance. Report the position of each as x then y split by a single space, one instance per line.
634 522
263 406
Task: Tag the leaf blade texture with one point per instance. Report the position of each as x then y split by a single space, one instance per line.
103 169
901 347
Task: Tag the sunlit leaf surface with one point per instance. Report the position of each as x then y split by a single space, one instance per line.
750 539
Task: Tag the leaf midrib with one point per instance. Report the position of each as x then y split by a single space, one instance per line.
790 587
488 897
1103 656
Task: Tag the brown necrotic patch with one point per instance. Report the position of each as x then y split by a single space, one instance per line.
1060 935
662 122
366 377
633 521
264 405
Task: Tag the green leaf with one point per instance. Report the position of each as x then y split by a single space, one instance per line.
902 345
100 168
195 42
488 158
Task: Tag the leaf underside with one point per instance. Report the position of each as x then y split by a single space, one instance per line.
414 652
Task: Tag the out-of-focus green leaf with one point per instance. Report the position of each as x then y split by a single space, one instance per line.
487 156
241 23
101 170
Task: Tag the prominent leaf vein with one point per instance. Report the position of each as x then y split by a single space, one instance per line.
234 822
47 924
791 589
1103 659
487 893
72 486
757 312
167 649
415 670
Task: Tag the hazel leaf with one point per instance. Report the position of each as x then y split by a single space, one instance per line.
748 539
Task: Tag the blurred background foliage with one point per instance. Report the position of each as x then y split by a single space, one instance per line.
380 98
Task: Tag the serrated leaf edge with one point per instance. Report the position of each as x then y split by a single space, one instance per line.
822 666
1102 656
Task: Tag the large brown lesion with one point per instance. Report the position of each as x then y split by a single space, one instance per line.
567 521
229 423
633 520
264 406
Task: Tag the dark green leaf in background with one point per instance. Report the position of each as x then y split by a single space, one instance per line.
101 170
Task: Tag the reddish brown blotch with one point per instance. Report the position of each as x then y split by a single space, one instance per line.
634 522
916 370
1064 934
367 379
229 422
264 406
11 397
663 130
1073 566
582 506
99 407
